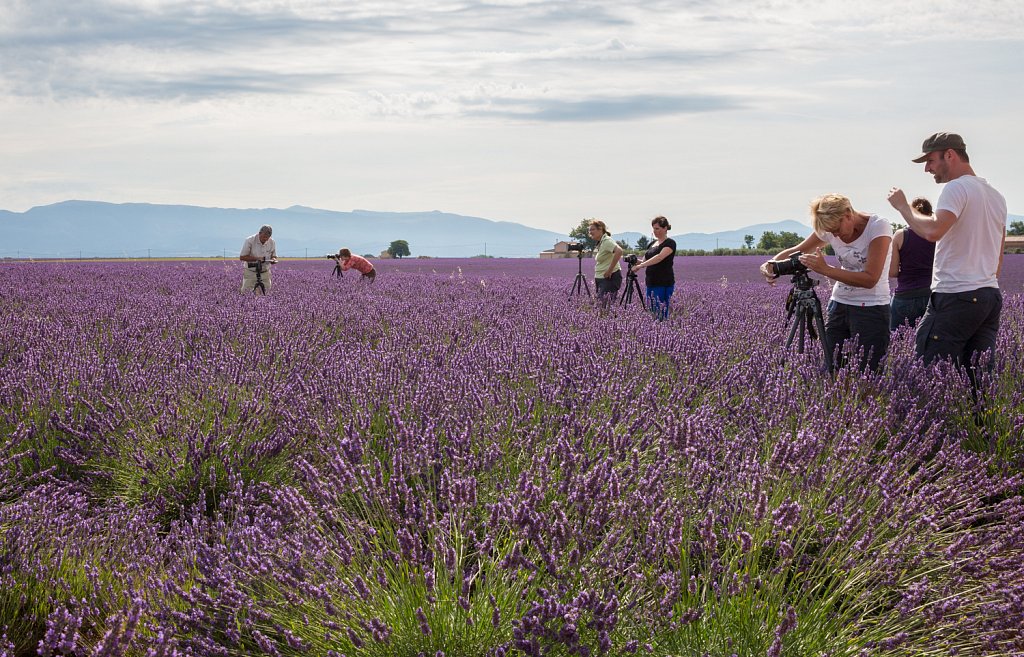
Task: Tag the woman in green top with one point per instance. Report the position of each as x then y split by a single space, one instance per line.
607 270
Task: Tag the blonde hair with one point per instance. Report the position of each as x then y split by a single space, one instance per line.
827 211
599 224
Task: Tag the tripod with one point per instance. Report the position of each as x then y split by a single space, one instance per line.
580 283
259 279
804 303
337 270
631 286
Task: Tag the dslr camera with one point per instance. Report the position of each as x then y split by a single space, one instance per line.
789 266
630 259
575 246
332 256
261 265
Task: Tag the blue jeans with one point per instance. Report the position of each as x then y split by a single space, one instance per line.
906 310
658 300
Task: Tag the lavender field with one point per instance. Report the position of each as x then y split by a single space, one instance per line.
461 460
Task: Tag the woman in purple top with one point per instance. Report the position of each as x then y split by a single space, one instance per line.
911 266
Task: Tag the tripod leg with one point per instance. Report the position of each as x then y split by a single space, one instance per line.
579 285
792 330
802 317
826 347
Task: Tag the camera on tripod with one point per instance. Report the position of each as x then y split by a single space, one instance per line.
802 305
789 266
575 246
630 259
337 264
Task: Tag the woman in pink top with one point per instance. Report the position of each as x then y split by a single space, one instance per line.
359 263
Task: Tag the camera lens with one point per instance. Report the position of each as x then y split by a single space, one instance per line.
789 266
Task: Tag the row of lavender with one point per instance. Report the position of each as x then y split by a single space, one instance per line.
461 460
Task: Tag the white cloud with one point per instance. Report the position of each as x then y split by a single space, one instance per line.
599 104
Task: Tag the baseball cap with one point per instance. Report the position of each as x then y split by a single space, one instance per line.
940 141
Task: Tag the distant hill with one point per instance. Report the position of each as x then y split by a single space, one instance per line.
94 229
733 239
97 229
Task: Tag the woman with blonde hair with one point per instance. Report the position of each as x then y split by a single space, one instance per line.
860 297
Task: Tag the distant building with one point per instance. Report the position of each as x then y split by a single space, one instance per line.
1014 244
561 250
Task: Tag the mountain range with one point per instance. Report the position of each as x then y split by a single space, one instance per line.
92 229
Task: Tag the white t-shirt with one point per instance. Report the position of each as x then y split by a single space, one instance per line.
253 247
854 257
967 256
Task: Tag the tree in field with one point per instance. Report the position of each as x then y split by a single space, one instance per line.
748 240
399 249
581 233
1016 228
769 240
643 243
772 241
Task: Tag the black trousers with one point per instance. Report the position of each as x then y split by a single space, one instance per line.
868 324
960 326
610 285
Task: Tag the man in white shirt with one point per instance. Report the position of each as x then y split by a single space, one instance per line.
968 228
258 252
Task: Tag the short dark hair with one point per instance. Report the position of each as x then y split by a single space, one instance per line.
266 230
962 152
922 205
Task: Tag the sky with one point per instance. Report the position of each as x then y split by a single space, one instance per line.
717 114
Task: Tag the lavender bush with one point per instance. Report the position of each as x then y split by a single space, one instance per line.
461 460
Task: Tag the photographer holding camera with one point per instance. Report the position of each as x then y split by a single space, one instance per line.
607 269
860 297
657 263
258 252
348 261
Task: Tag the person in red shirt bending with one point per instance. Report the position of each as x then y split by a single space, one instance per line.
359 263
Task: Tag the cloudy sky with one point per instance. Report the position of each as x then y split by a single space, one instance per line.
717 114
